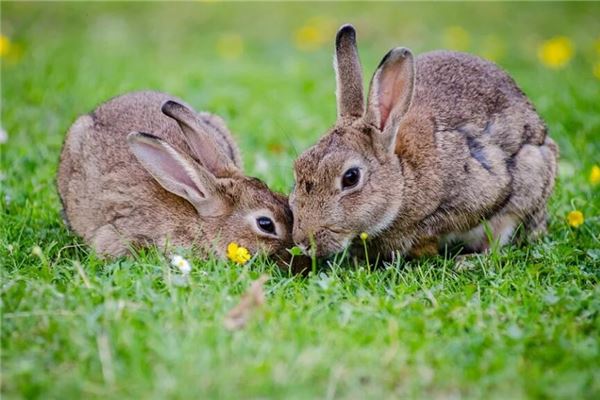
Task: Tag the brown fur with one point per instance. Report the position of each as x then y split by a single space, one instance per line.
115 204
462 145
426 247
348 75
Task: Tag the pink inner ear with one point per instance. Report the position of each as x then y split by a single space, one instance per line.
391 83
384 107
164 166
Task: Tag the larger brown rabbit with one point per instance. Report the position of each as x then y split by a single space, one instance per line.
131 175
447 144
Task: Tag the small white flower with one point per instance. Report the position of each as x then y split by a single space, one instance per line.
37 251
181 263
3 135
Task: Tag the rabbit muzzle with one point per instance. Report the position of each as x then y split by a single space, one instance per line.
322 242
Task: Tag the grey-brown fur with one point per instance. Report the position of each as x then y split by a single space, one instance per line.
111 199
463 147
348 75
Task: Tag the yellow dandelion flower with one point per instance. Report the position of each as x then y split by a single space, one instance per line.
595 175
364 236
457 38
230 46
575 218
596 69
238 254
316 32
556 53
4 45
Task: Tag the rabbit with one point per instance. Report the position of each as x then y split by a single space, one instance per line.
447 149
132 176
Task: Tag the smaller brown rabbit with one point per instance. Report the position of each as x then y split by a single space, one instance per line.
446 145
131 175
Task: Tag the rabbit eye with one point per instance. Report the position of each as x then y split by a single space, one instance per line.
350 178
266 225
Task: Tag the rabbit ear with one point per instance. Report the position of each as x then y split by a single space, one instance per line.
177 173
348 74
391 91
199 138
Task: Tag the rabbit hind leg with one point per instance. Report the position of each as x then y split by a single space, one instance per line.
533 171
497 231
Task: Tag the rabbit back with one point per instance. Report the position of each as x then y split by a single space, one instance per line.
462 91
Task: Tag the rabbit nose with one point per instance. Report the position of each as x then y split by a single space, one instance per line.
301 239
305 248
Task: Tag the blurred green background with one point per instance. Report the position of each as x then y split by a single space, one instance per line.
524 324
266 67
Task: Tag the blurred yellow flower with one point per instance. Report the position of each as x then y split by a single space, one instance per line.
364 236
595 175
230 46
238 254
10 51
316 32
4 45
597 69
556 53
575 218
456 38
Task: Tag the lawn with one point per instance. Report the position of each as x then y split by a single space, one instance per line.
522 322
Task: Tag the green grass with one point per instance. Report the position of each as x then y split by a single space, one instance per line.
522 323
